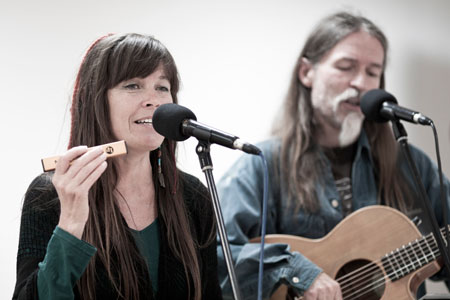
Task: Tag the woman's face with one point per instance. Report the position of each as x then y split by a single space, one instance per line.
132 104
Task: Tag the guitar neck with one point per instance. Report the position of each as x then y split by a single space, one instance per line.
410 257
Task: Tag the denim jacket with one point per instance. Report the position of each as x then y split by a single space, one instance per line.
241 193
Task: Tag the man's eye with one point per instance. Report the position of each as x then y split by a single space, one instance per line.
373 74
131 86
344 68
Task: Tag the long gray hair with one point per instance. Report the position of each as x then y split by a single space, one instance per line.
299 158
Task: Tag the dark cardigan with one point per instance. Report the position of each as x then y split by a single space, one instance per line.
40 219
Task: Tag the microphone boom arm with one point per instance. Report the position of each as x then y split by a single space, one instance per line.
402 139
203 152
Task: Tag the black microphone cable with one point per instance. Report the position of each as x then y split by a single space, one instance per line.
263 224
372 107
442 187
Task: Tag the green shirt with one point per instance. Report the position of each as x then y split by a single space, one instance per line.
67 258
147 241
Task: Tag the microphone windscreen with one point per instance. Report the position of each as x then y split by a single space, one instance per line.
168 119
371 103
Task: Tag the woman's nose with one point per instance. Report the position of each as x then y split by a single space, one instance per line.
150 100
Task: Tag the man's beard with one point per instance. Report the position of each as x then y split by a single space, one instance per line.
352 123
350 129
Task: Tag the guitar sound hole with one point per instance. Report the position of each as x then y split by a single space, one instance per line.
361 280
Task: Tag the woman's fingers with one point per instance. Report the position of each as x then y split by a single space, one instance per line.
76 171
65 160
75 168
84 160
84 166
95 174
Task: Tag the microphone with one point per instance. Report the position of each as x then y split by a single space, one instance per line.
178 123
380 106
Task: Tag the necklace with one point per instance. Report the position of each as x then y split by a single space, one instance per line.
128 206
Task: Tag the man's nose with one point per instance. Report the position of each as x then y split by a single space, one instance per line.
362 82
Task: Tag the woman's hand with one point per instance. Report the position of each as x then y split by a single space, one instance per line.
76 171
323 288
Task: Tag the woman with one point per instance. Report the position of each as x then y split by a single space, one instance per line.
132 227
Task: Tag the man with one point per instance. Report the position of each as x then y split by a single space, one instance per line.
325 162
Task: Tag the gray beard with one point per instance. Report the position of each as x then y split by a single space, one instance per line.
350 129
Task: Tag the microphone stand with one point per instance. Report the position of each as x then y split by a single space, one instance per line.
402 138
203 152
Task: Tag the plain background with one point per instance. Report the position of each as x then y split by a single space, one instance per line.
234 57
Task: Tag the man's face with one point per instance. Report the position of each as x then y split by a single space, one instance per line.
351 68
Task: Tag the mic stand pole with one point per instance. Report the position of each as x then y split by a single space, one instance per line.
402 138
204 156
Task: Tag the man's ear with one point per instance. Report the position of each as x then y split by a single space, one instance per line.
306 72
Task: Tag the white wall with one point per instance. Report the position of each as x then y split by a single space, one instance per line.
234 58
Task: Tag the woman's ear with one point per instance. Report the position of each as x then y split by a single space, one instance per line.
306 72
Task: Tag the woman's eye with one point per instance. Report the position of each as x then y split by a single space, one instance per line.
162 88
131 86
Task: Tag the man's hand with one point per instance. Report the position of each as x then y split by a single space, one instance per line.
323 288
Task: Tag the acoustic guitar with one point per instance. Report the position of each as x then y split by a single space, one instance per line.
374 253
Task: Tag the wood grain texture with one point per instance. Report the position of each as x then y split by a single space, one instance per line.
367 234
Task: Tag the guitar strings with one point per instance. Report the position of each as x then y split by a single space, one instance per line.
373 266
417 242
380 279
368 288
372 280
379 282
357 272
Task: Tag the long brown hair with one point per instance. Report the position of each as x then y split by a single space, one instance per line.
109 61
299 156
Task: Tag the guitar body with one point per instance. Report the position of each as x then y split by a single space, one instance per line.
364 236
